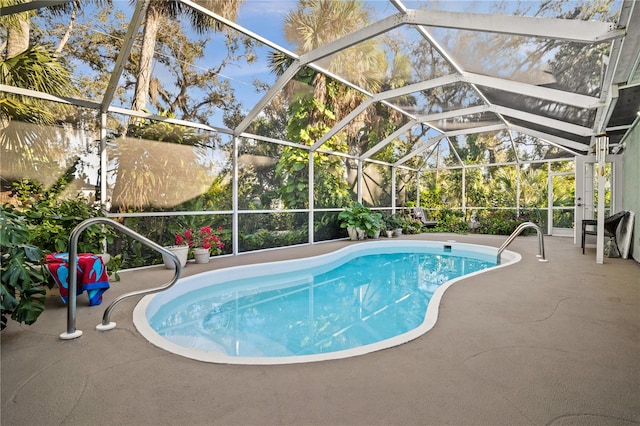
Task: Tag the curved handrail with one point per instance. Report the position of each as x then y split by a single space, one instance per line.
517 232
71 332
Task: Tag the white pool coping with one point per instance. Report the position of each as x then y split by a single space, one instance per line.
184 285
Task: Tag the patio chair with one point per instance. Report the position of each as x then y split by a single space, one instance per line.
610 227
421 215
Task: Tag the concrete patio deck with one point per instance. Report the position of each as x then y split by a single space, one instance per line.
554 343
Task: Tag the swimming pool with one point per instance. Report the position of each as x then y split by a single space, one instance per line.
362 298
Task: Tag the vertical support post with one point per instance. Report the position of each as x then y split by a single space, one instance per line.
418 176
104 201
518 172
393 190
234 195
549 200
359 184
311 198
602 147
464 191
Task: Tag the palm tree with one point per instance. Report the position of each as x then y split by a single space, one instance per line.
17 30
26 133
318 22
169 8
34 68
314 24
533 192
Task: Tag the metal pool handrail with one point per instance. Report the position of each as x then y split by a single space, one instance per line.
71 332
517 232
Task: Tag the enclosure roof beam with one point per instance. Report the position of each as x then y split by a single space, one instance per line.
432 41
319 53
381 97
238 28
572 147
353 38
342 123
434 150
455 151
25 7
134 25
388 139
286 76
622 63
417 87
545 121
269 43
513 146
562 143
149 116
454 113
449 134
628 58
48 97
426 35
428 144
274 141
524 89
558 29
474 130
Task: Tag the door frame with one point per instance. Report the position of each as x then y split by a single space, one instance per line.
584 183
559 232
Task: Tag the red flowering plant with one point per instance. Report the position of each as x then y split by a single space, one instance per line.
205 237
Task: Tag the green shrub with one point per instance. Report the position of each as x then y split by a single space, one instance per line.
499 222
264 239
23 275
410 225
326 227
449 221
50 219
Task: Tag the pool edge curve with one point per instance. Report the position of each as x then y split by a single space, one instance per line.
142 325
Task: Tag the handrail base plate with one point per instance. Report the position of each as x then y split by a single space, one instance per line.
69 336
107 327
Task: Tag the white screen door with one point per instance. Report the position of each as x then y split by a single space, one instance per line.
587 194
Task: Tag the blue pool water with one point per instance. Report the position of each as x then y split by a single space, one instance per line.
357 300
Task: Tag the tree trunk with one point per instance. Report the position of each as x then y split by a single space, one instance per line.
65 38
18 38
151 26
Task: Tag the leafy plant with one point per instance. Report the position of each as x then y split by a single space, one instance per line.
23 276
410 225
361 217
373 223
391 222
